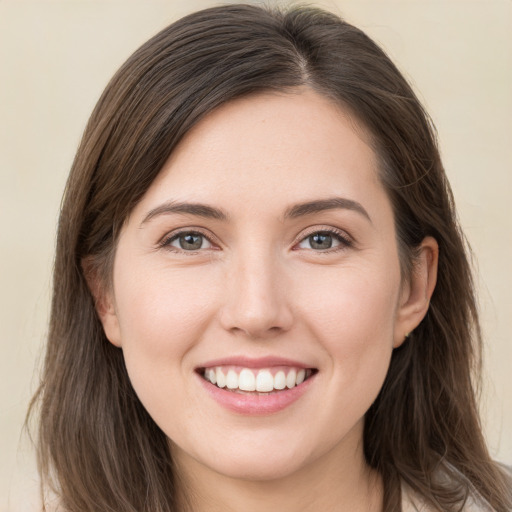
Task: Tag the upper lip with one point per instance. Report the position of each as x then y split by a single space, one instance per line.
251 362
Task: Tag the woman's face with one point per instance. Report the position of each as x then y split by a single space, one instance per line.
265 250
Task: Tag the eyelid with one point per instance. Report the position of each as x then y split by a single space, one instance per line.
164 242
345 239
340 234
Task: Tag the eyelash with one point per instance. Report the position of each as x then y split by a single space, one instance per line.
344 240
167 240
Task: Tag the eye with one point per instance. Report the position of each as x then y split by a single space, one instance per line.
187 241
324 241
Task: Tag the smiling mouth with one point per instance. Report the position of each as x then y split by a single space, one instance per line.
256 381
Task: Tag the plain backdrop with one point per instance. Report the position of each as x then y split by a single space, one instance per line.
57 56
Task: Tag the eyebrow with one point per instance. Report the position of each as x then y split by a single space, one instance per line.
295 211
320 205
197 209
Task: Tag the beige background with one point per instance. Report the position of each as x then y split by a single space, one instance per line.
55 59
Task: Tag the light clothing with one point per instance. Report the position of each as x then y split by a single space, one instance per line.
412 502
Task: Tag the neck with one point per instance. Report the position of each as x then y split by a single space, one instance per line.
334 481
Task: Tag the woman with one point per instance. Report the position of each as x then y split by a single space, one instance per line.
262 297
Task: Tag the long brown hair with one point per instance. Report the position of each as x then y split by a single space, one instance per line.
98 448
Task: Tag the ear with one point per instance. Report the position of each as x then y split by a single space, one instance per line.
103 301
417 291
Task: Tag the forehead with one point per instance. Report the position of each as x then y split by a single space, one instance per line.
282 146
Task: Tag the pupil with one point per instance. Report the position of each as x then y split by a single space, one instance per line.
320 241
191 241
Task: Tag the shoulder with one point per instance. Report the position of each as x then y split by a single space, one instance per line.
413 502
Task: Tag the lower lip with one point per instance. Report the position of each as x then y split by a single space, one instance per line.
253 404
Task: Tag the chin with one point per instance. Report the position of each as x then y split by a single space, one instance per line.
249 460
260 469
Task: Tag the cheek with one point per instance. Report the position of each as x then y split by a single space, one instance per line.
161 303
355 305
162 314
353 318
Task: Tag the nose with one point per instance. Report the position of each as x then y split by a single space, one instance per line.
257 299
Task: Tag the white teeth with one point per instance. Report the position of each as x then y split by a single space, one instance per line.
261 381
279 380
247 380
264 381
221 380
291 379
232 380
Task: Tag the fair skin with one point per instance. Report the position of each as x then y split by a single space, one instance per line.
317 288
